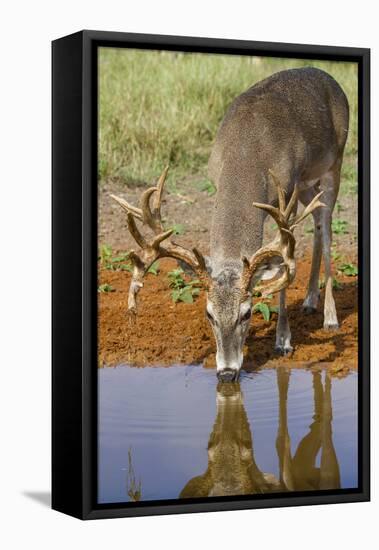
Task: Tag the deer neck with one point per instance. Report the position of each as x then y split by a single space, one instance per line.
237 227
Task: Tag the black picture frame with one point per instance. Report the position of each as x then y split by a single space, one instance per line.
74 205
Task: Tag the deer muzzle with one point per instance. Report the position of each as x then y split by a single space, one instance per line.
228 366
228 375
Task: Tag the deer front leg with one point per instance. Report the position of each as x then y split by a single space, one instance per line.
313 293
283 332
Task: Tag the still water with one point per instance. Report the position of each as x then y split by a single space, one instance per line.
167 433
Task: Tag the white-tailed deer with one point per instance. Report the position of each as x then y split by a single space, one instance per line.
232 469
280 141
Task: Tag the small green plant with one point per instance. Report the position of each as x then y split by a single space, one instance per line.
335 255
182 290
336 284
176 278
350 270
123 267
113 263
118 259
257 294
339 207
265 309
207 186
119 262
105 287
105 255
179 228
154 268
339 227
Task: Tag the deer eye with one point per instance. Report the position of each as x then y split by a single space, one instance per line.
246 316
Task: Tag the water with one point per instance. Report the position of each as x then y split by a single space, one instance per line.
168 433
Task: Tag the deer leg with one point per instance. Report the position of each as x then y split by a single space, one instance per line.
283 332
313 294
329 183
329 467
283 441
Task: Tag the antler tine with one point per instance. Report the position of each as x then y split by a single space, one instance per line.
137 212
292 203
281 195
315 203
274 212
144 213
159 188
152 216
200 259
147 215
160 238
134 231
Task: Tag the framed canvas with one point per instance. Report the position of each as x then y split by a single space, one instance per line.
202 358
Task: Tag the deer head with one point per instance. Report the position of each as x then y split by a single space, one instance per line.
229 293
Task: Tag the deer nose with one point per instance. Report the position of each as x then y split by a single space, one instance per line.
227 375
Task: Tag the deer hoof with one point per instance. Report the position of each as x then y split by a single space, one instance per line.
331 326
283 350
309 310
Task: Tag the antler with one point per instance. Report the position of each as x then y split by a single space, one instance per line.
153 249
283 246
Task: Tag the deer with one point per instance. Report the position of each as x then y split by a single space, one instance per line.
280 143
232 468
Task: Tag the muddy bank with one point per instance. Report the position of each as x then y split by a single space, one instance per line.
166 333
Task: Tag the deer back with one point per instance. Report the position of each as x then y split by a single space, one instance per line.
293 123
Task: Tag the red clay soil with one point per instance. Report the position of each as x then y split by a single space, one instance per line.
166 333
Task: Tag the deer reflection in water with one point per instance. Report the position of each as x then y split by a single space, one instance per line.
232 469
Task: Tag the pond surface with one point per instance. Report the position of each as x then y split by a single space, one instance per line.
168 433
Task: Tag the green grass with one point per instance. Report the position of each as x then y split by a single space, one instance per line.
339 227
157 108
349 176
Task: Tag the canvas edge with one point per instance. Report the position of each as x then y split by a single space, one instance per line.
84 377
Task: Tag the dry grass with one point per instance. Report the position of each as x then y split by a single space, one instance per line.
164 107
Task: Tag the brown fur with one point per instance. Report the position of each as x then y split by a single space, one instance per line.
294 123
